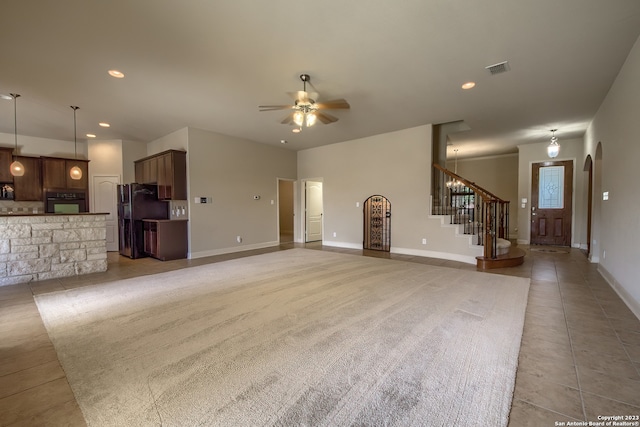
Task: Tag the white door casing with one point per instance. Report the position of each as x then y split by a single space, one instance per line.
105 191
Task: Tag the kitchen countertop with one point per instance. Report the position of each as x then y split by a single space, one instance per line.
51 214
164 220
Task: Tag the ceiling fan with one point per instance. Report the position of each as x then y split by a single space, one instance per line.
306 111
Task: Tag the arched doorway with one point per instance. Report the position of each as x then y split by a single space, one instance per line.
588 167
377 223
596 218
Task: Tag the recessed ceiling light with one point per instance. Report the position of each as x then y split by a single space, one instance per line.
468 85
283 141
3 96
104 124
296 130
117 74
90 135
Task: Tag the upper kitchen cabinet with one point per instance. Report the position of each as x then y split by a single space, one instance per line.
147 170
28 187
167 170
55 173
172 176
6 158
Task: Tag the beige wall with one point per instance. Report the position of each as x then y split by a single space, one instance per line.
105 158
396 165
497 174
231 171
32 146
131 151
616 227
178 140
533 153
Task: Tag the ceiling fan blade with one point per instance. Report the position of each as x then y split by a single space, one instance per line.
288 119
273 107
335 104
302 96
325 118
299 95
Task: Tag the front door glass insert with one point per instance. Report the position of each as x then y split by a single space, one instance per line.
551 187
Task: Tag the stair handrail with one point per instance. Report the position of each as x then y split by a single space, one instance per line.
495 217
486 194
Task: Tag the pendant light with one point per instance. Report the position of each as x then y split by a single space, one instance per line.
454 183
75 172
553 149
17 168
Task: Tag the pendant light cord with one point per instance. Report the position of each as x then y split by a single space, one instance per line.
75 133
15 118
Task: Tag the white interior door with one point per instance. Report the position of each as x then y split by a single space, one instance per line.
105 191
313 221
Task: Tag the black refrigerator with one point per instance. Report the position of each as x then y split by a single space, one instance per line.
135 203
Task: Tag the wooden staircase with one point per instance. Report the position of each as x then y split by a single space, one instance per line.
480 214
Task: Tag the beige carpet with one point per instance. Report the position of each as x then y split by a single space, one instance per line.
292 338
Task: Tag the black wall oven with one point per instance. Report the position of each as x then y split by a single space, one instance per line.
66 202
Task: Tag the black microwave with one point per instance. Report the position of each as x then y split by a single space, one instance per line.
67 202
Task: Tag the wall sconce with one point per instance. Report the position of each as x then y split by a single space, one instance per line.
553 149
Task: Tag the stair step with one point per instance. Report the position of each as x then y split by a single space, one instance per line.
513 258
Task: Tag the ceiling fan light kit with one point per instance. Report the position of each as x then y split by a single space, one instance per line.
306 110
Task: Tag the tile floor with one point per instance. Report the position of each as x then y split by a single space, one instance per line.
580 353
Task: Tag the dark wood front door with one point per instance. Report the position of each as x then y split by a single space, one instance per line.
551 196
377 224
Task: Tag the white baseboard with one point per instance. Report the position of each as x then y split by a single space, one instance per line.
633 305
337 244
523 242
468 259
234 249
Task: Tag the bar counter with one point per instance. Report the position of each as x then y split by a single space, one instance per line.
40 246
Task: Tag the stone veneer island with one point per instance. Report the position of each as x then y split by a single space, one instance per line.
47 246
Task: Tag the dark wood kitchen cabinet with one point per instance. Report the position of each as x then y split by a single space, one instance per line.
28 187
167 170
165 239
55 173
150 171
172 176
147 170
6 158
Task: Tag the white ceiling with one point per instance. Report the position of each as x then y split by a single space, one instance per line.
209 64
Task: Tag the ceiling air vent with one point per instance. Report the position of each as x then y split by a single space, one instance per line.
498 68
